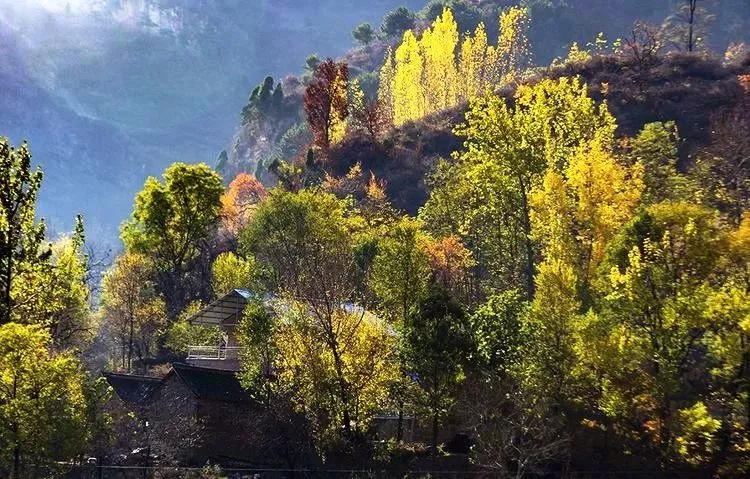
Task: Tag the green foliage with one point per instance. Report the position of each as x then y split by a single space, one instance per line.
506 154
171 223
297 235
334 358
696 439
662 268
396 22
435 350
656 148
497 327
229 272
42 402
467 15
364 34
55 294
22 238
265 101
182 333
257 333
312 62
401 271
133 315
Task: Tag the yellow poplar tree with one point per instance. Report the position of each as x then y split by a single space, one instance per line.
385 91
512 44
438 45
408 94
428 77
337 130
466 68
473 64
606 195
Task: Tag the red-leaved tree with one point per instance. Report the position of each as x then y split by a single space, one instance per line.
325 100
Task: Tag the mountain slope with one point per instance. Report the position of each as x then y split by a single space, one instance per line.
681 88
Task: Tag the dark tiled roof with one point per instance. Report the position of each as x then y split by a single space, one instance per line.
133 389
212 384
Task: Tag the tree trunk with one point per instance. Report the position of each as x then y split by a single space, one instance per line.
130 346
6 294
691 22
400 428
17 448
434 432
526 220
16 461
343 391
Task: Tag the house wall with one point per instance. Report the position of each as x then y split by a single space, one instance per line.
232 431
193 431
174 431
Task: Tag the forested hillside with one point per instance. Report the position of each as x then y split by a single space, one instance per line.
494 239
553 29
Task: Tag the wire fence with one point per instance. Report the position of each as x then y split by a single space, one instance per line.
137 472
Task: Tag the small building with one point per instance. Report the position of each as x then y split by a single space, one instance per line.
198 411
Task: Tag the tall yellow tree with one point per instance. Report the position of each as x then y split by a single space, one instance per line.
338 116
438 46
385 91
512 45
473 64
577 211
408 94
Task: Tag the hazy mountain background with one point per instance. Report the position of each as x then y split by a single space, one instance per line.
110 91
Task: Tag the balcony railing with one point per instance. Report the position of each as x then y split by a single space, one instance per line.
213 352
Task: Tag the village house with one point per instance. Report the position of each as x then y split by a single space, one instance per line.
198 411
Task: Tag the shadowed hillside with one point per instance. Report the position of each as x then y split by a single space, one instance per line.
686 89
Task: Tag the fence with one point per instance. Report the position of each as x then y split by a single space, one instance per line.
139 472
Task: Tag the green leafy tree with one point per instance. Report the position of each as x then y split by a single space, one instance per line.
55 294
171 225
484 197
230 271
659 289
467 15
435 350
364 34
306 240
182 334
42 403
312 62
396 22
22 238
655 147
265 102
401 271
497 326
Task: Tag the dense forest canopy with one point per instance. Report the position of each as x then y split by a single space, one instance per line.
522 226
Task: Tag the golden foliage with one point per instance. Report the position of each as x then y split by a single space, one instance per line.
437 71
